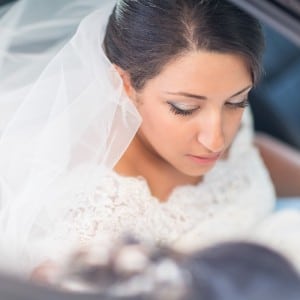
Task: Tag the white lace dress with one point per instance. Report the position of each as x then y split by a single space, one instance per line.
231 201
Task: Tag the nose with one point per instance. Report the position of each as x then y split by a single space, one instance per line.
211 133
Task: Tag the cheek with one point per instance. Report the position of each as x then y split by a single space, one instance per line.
160 127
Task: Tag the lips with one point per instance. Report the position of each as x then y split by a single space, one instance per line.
204 159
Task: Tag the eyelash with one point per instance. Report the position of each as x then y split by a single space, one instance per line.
242 104
177 111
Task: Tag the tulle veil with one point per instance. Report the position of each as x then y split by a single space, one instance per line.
62 106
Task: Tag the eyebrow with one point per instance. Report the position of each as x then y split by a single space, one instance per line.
199 97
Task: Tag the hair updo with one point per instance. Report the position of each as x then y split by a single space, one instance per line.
142 36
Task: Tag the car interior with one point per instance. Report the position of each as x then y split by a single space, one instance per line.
275 103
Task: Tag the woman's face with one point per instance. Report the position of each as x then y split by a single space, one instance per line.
192 110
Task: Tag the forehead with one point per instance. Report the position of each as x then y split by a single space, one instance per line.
203 71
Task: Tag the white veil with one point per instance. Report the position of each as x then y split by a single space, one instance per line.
61 107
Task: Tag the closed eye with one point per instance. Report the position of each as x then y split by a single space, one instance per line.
179 111
241 104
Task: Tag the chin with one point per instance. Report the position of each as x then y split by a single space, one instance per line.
197 172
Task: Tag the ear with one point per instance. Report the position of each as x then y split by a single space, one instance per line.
130 91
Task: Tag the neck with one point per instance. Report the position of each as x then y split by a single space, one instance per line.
162 178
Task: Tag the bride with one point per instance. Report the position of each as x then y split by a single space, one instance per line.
137 124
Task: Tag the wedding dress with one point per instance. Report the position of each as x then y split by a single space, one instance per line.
66 122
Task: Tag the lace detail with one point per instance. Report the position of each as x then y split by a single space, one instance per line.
234 197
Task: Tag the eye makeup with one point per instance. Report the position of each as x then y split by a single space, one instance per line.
177 110
242 104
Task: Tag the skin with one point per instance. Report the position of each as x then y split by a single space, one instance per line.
161 148
165 138
161 151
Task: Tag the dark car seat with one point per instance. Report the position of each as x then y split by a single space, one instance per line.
276 101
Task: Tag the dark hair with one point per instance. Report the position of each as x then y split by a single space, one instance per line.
142 36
